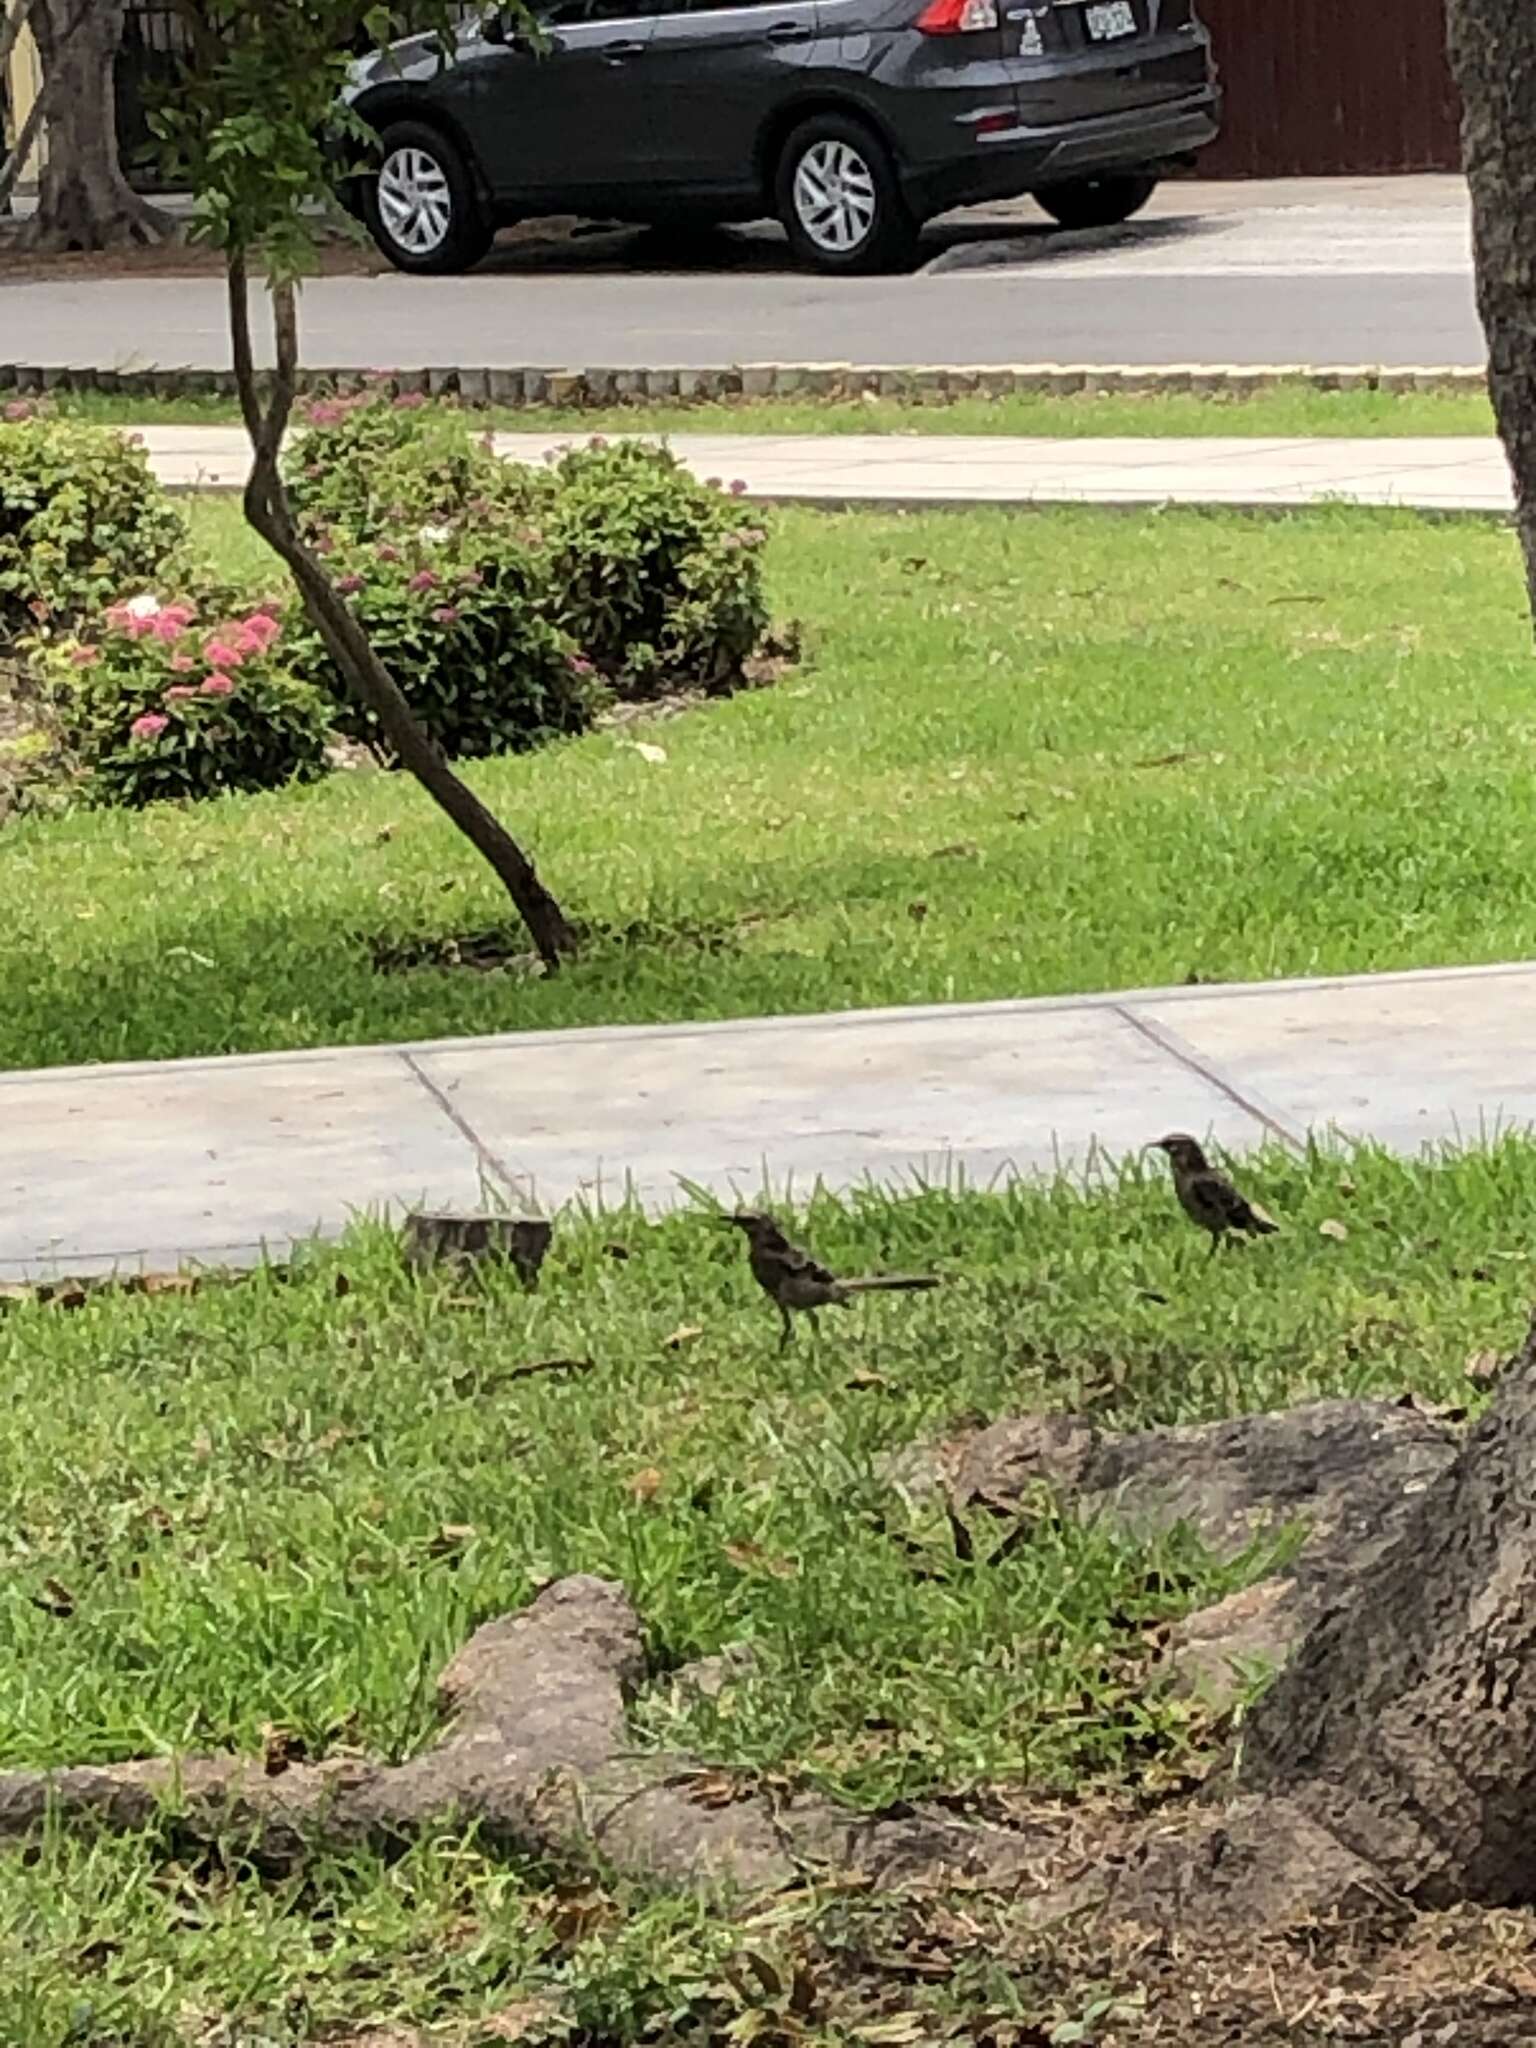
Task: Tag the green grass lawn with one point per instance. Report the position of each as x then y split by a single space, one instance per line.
1028 754
244 1496
1289 409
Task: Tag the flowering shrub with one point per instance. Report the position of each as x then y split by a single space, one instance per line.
81 521
455 613
658 578
372 466
183 699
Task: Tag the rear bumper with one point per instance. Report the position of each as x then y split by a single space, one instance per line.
1007 163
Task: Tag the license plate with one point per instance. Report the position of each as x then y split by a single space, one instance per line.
1110 20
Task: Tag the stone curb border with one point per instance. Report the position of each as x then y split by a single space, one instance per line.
925 384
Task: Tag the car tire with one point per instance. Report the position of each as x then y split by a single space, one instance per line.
840 200
1097 202
422 207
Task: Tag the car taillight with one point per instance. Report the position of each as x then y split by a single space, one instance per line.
957 17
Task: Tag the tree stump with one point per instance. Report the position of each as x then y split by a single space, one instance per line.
442 1238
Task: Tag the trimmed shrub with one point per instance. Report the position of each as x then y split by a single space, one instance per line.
656 577
373 468
457 615
82 520
169 699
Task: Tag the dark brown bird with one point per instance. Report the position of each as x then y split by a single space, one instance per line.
795 1283
1207 1196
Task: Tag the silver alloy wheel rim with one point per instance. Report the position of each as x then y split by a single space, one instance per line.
835 198
415 204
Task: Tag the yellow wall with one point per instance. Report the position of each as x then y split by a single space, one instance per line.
24 78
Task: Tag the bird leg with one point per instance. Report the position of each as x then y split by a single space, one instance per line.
789 1328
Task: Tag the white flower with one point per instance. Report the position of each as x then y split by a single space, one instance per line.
434 536
146 607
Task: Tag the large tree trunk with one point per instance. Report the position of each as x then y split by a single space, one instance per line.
1493 55
1405 1726
268 510
84 201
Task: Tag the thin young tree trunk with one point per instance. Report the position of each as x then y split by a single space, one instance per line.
84 201
268 510
1493 56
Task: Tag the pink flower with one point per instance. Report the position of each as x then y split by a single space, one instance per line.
738 487
219 686
178 693
598 441
387 553
326 412
471 578
19 409
447 615
85 657
314 471
182 664
322 544
410 401
378 376
257 633
349 586
150 726
579 665
137 617
424 579
169 625
220 653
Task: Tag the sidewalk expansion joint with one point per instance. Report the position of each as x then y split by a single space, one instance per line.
1179 1048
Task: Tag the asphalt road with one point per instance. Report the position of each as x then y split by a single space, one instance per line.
1308 272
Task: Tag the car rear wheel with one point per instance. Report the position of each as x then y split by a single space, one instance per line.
840 200
1097 202
422 208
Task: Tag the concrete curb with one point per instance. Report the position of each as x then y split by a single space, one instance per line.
936 384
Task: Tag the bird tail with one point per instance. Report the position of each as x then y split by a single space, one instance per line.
893 1283
1259 1224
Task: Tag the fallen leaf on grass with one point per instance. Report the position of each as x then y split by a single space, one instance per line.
683 1334
281 1749
648 751
749 1557
645 1485
516 2022
1333 1228
865 1378
963 849
713 1788
55 1599
452 1539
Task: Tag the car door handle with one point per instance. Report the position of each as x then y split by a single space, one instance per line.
789 32
620 53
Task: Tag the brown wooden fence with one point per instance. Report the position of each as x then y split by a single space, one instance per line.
1332 87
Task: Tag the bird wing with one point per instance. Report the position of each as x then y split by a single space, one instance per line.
1233 1210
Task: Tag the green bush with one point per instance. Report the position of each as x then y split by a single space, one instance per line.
82 522
455 613
657 577
170 700
372 467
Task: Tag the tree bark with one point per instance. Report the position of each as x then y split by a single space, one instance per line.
1405 1726
268 510
1493 57
84 201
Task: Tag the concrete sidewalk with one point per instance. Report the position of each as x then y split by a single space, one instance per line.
211 1160
1442 475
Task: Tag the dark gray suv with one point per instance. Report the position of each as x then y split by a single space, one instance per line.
853 121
